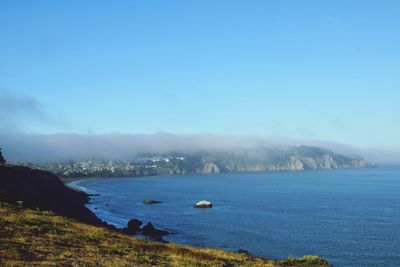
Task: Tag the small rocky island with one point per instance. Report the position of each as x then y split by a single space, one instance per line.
151 201
203 204
134 227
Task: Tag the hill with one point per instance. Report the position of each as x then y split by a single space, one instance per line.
296 158
41 238
42 189
33 232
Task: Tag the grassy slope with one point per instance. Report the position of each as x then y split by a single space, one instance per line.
35 238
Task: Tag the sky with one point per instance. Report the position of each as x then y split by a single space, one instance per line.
326 70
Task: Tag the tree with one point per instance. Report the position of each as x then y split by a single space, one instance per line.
2 160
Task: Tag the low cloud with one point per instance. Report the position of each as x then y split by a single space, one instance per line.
59 147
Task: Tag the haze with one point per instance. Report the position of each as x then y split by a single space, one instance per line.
212 74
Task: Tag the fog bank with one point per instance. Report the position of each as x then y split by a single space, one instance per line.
60 147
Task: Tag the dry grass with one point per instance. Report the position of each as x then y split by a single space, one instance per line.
34 238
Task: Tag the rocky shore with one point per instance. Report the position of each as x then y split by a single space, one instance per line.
42 190
37 204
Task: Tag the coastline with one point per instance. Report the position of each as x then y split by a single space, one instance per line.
68 181
275 200
70 243
58 218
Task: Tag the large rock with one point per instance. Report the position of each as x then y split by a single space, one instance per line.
203 204
151 231
210 167
327 162
134 226
295 164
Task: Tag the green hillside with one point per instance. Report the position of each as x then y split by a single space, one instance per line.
41 238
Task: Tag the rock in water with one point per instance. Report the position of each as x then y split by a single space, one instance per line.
151 201
134 225
203 204
150 230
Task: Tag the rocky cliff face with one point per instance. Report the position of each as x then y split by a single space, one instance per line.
293 159
210 167
236 160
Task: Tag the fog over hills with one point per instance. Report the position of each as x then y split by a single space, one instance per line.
60 147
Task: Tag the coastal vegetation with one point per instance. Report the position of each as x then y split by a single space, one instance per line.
41 238
2 160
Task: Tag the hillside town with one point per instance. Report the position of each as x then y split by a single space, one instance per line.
142 166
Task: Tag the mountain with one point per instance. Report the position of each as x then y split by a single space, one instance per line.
296 158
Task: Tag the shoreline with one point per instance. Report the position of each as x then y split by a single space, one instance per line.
123 228
67 180
141 193
79 244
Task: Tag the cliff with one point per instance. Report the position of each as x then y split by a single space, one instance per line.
278 159
43 190
296 158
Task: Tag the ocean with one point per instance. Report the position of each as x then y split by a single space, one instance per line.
351 217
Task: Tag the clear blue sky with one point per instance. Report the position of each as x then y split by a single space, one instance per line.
304 69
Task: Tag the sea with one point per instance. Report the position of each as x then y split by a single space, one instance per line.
351 217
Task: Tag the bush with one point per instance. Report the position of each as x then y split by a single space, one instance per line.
2 160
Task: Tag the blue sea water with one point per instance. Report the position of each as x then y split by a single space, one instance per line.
350 217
